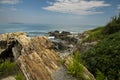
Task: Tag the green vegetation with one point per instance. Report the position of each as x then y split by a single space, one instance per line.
19 77
100 76
75 67
62 61
10 68
102 32
105 56
7 68
103 60
113 26
95 34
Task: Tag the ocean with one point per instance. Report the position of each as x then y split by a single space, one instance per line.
42 29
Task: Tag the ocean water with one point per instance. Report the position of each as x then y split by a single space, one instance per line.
42 29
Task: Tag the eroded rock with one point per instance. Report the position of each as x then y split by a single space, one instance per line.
35 56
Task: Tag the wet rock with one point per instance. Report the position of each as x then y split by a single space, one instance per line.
64 36
55 33
71 40
59 35
65 33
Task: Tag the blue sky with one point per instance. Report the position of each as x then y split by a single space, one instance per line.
84 12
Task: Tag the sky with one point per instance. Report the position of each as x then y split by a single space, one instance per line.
84 12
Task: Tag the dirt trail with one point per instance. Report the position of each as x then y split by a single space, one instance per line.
62 75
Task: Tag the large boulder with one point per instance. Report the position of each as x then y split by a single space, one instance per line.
35 56
7 42
65 33
55 33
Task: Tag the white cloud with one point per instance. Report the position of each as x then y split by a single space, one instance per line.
79 7
9 1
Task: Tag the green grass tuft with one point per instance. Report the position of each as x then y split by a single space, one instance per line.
94 35
7 68
19 77
75 68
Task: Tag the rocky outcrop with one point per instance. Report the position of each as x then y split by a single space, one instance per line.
7 42
65 36
65 42
59 35
35 56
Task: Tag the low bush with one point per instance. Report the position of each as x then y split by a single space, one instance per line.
105 56
100 76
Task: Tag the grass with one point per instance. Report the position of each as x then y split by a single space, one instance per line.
94 35
113 26
20 77
75 68
62 61
7 68
10 68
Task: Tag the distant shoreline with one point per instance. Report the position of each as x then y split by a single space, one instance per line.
16 23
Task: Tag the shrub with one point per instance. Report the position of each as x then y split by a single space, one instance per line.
105 56
7 68
100 76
